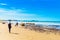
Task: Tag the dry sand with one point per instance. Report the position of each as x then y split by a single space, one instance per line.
19 33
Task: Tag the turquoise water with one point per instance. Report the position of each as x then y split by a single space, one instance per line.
38 22
55 23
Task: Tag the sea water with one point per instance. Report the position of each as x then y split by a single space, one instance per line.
41 23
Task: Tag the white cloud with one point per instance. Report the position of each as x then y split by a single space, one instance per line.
14 14
3 4
21 14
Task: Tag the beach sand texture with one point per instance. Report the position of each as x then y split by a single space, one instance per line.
19 33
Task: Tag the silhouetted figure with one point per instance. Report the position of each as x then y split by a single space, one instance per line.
9 27
16 24
3 23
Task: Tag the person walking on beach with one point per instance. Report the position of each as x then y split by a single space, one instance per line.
16 24
9 27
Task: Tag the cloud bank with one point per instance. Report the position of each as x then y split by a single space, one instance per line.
19 14
15 14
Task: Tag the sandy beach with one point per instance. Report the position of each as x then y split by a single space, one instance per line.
19 33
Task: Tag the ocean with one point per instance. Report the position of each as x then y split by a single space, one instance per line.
55 23
39 22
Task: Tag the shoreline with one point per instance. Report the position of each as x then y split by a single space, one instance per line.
20 33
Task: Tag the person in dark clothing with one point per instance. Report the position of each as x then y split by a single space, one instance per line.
16 24
9 27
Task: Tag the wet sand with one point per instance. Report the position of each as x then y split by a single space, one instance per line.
19 33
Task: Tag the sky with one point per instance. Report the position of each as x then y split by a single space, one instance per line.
43 10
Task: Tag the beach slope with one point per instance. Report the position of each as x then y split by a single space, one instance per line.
19 33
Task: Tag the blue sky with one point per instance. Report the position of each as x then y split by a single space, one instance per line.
43 10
